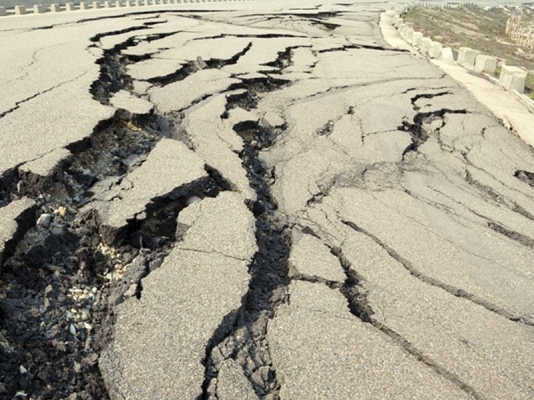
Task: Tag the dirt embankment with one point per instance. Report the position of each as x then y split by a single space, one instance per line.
482 29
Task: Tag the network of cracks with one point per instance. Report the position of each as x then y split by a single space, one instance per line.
64 270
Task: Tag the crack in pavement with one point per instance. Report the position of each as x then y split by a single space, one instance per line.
424 125
57 256
457 292
354 292
69 264
194 66
20 102
246 341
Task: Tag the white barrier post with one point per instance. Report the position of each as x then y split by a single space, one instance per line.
408 35
513 78
435 50
69 7
38 9
467 57
485 63
55 7
2 11
447 55
20 10
417 38
425 44
83 5
96 5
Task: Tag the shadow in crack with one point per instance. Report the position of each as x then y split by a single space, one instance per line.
242 335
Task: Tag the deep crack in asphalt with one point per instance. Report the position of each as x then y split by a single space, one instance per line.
64 271
246 341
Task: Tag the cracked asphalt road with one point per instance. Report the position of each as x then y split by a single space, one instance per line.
255 205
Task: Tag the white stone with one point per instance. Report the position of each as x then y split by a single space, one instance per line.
83 5
425 44
447 55
485 63
20 10
417 38
55 7
513 78
2 11
96 4
38 9
69 6
466 57
44 220
435 50
408 35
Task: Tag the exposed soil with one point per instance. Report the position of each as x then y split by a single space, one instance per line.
61 281
59 284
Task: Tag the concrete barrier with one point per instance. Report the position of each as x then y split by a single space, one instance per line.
96 5
118 4
20 10
435 50
55 7
467 57
84 6
38 9
70 7
107 4
2 11
408 35
485 63
425 45
417 38
513 78
447 55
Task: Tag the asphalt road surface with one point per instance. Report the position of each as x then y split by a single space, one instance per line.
254 202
